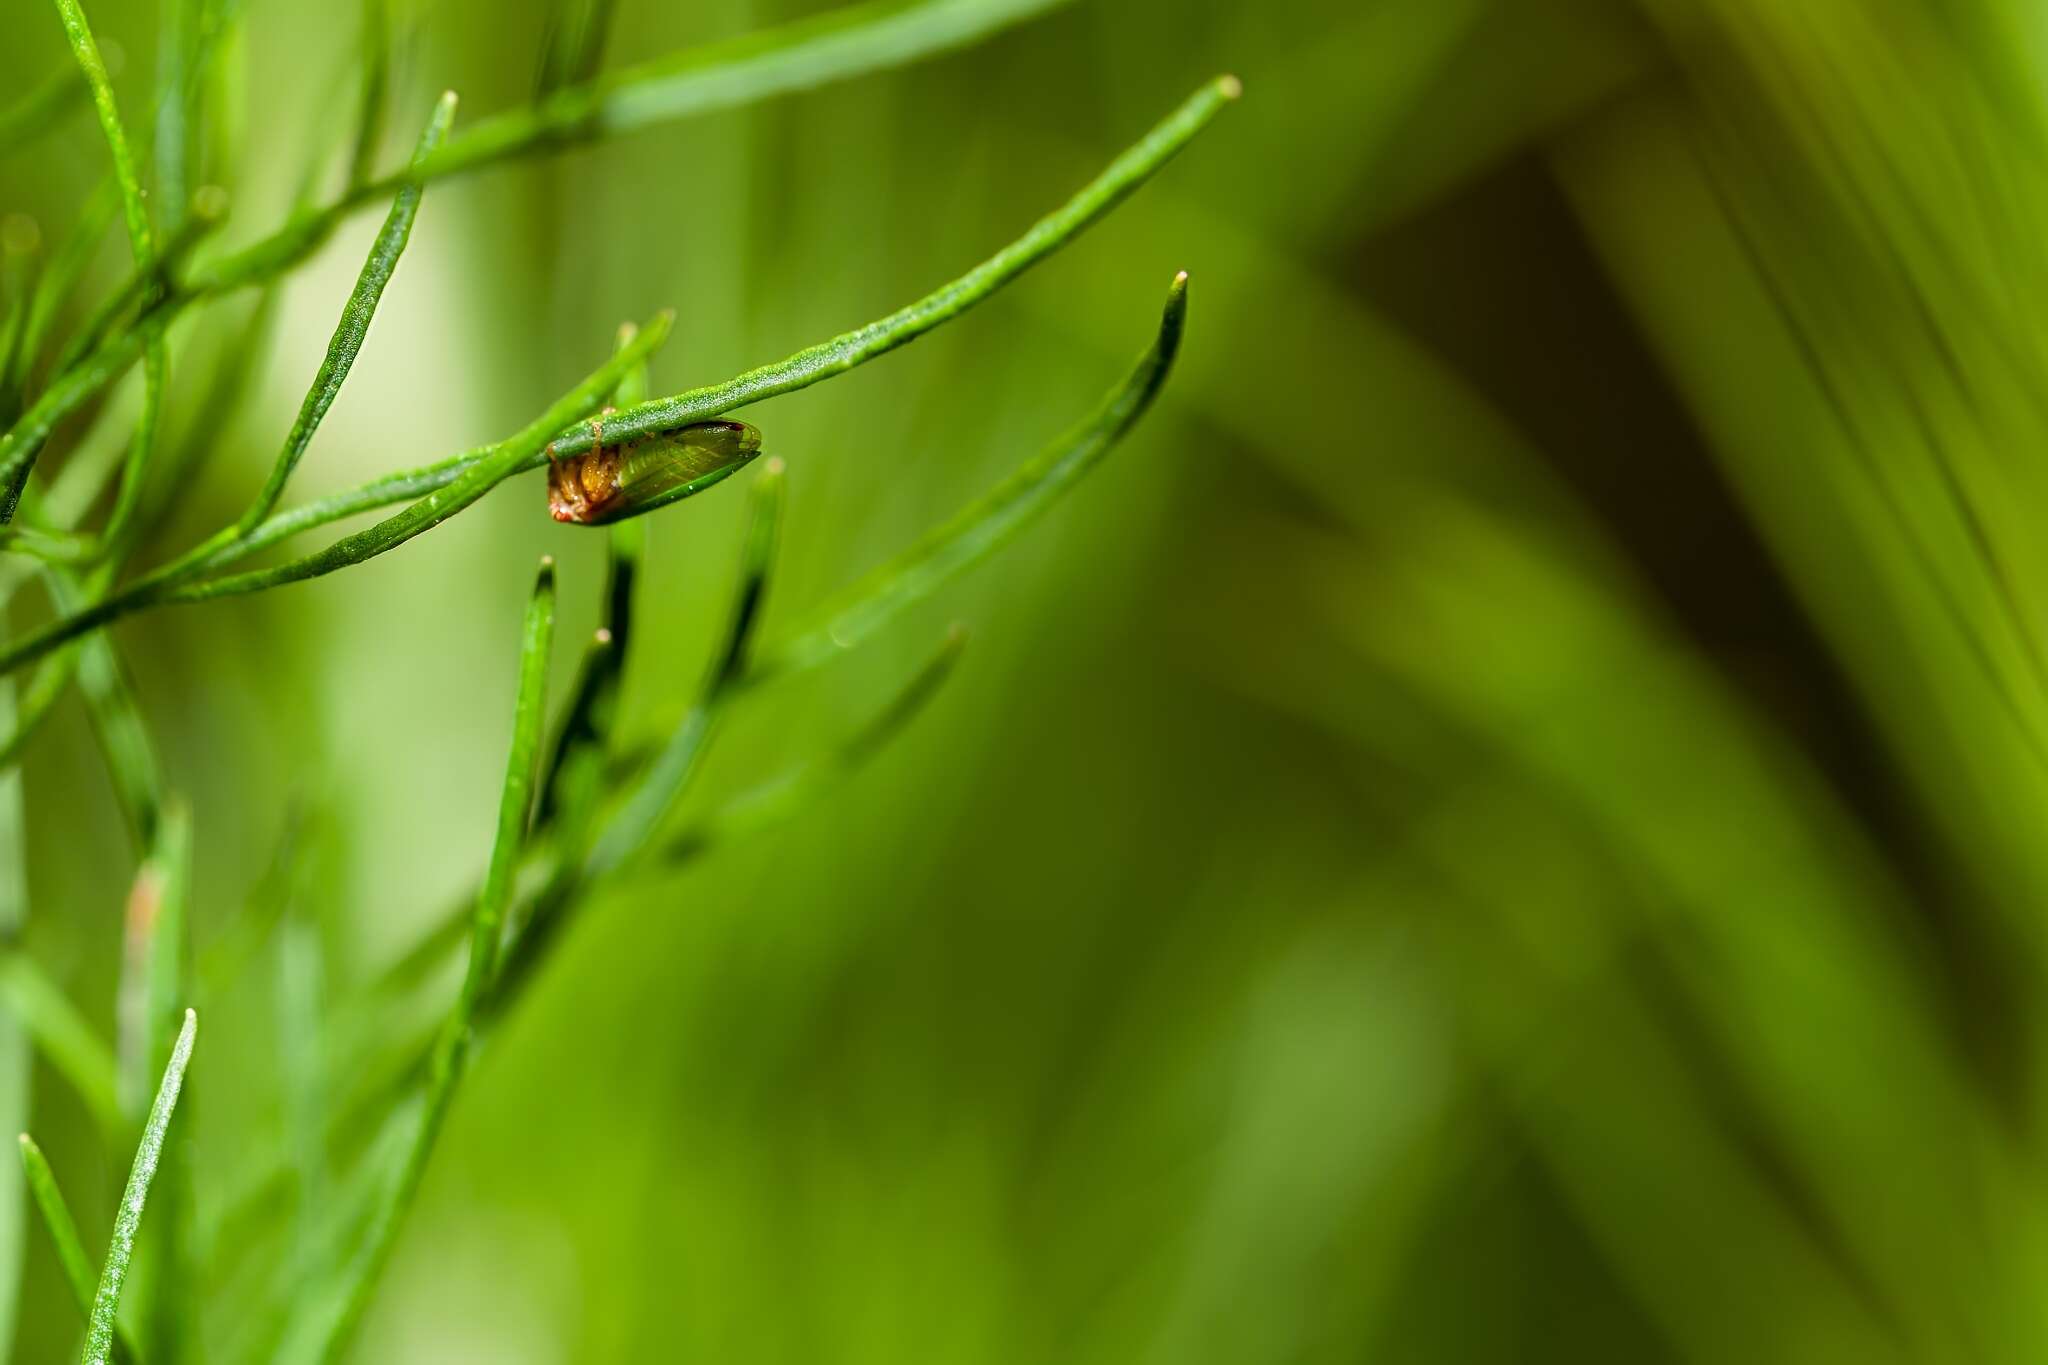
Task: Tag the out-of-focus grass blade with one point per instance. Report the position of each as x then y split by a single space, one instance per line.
573 47
371 97
979 529
666 777
177 108
117 723
77 1265
333 1312
67 266
20 247
62 1035
99 1333
15 1056
626 835
72 1256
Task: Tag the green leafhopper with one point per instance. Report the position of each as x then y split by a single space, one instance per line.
609 482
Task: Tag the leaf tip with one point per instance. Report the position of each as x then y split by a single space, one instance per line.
1230 87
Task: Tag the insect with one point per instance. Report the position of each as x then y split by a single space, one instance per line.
608 482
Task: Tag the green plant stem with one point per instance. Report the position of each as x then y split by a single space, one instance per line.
99 1335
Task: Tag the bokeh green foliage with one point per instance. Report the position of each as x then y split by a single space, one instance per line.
1503 825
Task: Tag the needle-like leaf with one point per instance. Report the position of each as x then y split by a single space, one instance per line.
347 341
451 1052
370 94
978 529
99 1332
627 833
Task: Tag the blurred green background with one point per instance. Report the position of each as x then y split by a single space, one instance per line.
1505 823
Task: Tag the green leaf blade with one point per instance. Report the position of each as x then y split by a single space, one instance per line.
99 1335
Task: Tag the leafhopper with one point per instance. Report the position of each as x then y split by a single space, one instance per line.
608 482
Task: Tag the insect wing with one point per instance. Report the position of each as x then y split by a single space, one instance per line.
659 469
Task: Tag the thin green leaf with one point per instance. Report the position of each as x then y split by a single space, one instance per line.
140 448
371 93
63 1037
99 1333
656 792
72 1257
43 693
878 338
177 51
77 1265
573 48
347 341
978 529
452 1050
627 833
117 723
